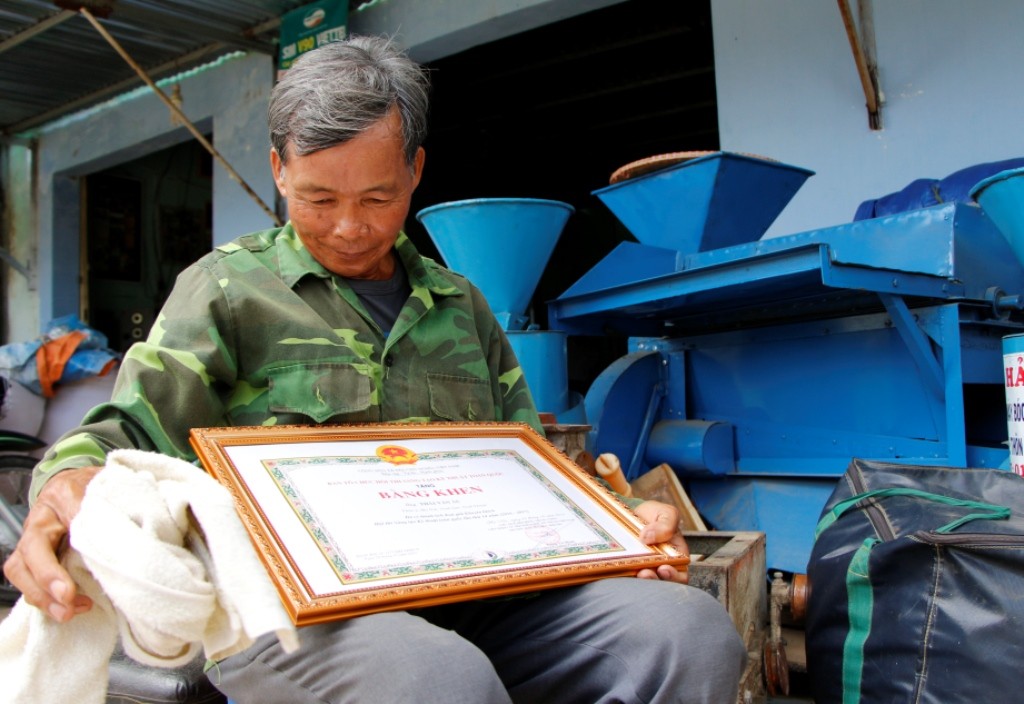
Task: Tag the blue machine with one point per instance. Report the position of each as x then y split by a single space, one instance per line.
758 368
503 245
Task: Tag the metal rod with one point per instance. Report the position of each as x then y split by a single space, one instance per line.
39 27
917 344
181 116
870 90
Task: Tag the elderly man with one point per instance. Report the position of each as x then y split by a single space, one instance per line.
335 318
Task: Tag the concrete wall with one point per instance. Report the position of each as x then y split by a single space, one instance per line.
230 98
788 88
17 173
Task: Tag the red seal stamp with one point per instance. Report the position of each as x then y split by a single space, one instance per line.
396 454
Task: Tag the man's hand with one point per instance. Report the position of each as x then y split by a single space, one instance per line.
662 527
34 566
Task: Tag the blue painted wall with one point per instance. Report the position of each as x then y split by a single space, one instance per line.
788 88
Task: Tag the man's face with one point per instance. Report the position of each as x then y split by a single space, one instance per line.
348 203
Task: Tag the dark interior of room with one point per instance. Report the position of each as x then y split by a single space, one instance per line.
144 221
552 112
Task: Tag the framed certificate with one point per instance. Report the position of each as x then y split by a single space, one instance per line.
351 520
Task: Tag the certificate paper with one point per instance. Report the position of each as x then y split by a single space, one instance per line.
356 519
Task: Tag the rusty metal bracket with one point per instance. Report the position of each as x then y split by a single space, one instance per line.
176 111
862 43
9 259
791 596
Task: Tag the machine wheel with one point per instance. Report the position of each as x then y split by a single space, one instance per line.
776 669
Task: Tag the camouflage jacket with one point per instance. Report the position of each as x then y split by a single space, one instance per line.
258 333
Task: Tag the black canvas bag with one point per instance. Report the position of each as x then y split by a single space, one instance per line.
917 587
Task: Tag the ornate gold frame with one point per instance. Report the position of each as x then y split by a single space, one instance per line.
307 605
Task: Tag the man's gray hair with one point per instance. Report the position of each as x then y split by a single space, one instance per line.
334 93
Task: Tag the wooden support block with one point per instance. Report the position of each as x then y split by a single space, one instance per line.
662 484
732 569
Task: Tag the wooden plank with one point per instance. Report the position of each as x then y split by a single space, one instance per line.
662 484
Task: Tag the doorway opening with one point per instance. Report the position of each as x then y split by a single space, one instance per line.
143 221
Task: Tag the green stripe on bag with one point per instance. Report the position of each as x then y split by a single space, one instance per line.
861 603
994 512
859 594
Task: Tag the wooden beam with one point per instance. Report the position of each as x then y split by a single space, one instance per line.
38 28
868 81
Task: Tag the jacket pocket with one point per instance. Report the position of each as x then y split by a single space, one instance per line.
460 398
319 391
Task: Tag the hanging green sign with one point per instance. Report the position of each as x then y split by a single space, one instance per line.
310 26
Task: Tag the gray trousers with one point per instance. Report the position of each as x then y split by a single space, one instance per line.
613 640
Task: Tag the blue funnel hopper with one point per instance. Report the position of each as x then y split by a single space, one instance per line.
705 203
501 244
1001 196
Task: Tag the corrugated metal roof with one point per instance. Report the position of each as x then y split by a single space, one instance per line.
53 61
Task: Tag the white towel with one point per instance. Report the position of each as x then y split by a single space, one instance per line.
45 661
159 548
